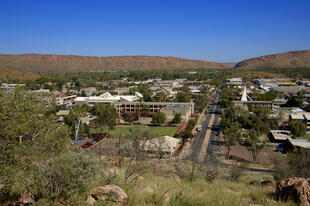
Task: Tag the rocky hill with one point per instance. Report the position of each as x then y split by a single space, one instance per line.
293 59
68 63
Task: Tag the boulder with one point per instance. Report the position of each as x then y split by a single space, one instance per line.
90 200
109 192
295 189
26 198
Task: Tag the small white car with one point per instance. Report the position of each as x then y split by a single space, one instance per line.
199 128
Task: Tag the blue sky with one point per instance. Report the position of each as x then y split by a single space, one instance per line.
218 30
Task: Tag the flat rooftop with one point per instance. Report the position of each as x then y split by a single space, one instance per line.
280 134
304 143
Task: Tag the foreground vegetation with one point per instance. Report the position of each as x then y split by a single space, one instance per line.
125 130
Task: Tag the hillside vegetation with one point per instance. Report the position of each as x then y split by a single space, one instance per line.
256 75
68 63
9 74
294 59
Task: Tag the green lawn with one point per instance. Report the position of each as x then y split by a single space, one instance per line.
155 131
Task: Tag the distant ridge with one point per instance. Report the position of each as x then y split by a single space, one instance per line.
293 59
71 63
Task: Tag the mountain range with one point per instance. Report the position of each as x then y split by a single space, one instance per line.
71 63
293 59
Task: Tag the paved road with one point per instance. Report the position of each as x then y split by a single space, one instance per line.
206 146
200 144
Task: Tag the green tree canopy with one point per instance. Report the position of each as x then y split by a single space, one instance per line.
177 119
106 113
297 127
158 118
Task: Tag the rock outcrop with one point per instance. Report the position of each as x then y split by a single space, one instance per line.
295 189
26 198
109 192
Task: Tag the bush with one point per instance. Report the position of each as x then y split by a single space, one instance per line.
63 175
196 169
176 119
237 171
298 128
159 118
296 164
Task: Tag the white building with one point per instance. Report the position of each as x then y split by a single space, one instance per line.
108 98
236 81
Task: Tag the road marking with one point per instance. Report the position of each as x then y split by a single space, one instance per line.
206 139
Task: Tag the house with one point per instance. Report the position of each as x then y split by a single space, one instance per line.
301 116
65 100
61 113
89 91
234 81
121 90
165 145
292 144
279 136
87 119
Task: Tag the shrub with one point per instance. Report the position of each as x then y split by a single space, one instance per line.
159 118
176 119
63 175
237 171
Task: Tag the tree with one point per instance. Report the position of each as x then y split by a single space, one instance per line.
295 164
144 90
143 110
182 97
177 119
232 134
159 118
200 102
28 135
297 127
295 101
161 96
83 94
106 113
129 118
255 145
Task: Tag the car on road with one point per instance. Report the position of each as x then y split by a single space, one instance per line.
199 127
218 112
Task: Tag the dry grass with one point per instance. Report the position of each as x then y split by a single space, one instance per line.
167 191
